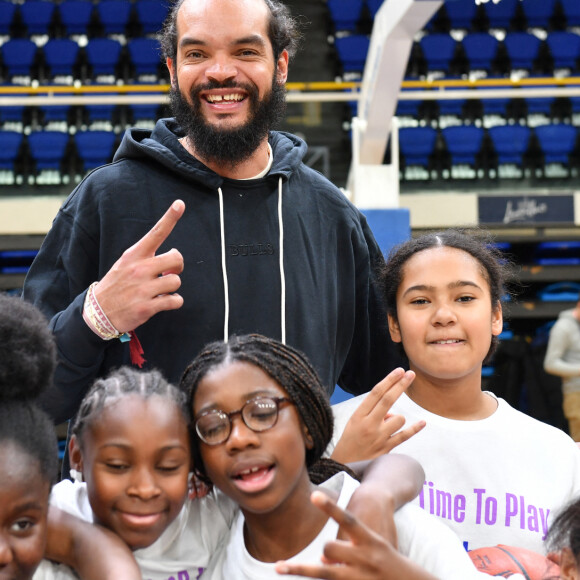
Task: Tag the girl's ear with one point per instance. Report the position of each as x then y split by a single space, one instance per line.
568 566
75 454
308 441
394 329
497 320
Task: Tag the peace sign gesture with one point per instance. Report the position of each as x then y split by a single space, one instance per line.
141 283
367 556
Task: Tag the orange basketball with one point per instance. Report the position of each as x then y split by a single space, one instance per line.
503 561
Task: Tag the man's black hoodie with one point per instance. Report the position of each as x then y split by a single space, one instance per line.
324 283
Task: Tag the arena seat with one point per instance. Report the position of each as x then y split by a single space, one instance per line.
438 51
38 17
104 58
417 148
352 52
464 145
501 15
19 56
10 151
345 14
461 14
94 148
150 15
8 12
144 57
75 16
557 143
114 16
571 9
48 151
522 49
480 49
511 144
538 13
61 58
564 50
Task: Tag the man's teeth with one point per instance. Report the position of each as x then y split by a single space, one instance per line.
450 341
220 98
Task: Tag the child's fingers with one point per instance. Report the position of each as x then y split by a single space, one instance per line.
384 394
326 572
400 437
347 522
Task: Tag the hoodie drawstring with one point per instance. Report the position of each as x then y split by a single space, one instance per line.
281 263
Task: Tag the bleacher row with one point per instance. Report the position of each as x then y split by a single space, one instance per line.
476 55
52 157
68 18
65 61
354 15
510 151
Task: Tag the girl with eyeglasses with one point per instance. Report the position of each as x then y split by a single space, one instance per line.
261 424
132 471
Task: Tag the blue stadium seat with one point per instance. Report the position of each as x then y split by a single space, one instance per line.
104 57
8 12
38 16
10 151
373 6
57 117
14 117
502 14
522 50
61 58
75 16
538 13
145 57
438 51
463 143
461 13
571 9
564 49
48 151
417 147
114 16
345 14
511 144
95 148
557 143
150 15
352 52
480 50
19 56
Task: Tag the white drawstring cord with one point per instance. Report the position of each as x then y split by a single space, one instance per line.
224 270
282 275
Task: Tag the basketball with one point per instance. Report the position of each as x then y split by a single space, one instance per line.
503 561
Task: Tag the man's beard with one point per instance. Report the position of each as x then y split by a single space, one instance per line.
223 145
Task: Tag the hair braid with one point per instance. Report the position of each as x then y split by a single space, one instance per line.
287 366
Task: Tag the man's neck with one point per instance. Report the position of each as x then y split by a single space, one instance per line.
244 170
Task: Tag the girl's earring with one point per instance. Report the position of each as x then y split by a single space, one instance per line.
76 476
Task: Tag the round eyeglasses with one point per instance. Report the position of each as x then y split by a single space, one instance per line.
260 414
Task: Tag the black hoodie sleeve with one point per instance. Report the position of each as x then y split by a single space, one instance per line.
372 354
56 283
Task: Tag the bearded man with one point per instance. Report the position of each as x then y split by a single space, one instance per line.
253 240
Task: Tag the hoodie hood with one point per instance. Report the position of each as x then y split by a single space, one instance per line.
162 145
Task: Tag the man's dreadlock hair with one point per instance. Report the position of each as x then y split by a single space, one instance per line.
292 371
121 383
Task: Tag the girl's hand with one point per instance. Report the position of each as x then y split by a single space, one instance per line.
197 488
372 431
366 556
